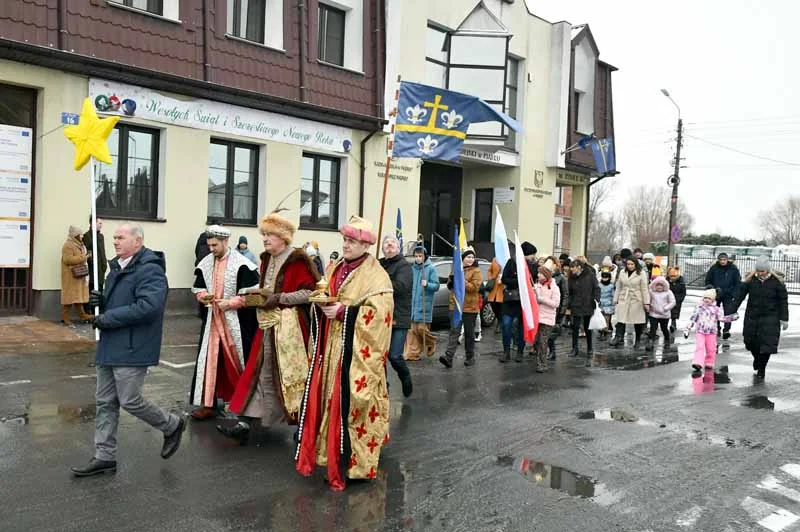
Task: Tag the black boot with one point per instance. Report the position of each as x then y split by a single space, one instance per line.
506 356
519 357
469 361
405 382
95 467
446 360
173 441
574 352
239 432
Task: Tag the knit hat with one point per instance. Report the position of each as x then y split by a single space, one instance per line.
275 224
762 264
722 255
648 256
467 251
419 248
242 240
563 257
528 248
711 293
360 229
607 261
626 253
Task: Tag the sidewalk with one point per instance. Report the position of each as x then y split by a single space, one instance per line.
24 335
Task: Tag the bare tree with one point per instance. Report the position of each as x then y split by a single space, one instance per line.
605 233
780 224
599 194
646 215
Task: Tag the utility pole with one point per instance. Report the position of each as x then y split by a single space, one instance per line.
674 180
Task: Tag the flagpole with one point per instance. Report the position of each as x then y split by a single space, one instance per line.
93 229
389 149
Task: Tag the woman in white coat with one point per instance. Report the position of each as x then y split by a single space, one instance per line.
632 301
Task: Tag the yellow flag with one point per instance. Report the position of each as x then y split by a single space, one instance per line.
462 236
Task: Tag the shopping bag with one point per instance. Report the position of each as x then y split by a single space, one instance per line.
598 321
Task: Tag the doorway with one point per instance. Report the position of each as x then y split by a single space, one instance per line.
17 117
482 225
439 205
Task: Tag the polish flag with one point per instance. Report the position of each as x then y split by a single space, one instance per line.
527 297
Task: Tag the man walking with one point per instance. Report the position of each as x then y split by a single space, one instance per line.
725 277
402 278
130 323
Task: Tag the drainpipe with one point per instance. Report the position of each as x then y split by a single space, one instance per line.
363 170
62 24
380 50
301 13
206 32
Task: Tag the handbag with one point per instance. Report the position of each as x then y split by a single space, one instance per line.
490 285
79 271
511 294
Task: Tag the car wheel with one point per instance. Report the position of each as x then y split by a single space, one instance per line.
487 316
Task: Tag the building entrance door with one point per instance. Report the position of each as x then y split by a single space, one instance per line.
439 205
17 117
484 199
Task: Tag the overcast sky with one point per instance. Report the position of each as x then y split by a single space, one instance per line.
728 65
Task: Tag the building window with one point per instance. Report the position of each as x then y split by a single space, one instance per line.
510 107
155 7
437 46
129 185
559 196
558 240
331 35
232 182
319 192
247 19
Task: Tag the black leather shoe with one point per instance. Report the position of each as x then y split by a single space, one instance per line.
173 441
239 432
726 335
574 352
469 361
95 467
446 362
408 388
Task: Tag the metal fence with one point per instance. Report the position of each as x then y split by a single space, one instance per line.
694 269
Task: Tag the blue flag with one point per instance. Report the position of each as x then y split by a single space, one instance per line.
432 123
398 231
603 151
458 282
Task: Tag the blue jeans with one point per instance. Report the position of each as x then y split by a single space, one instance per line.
508 333
396 347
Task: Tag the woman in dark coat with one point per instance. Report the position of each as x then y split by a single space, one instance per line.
584 293
767 313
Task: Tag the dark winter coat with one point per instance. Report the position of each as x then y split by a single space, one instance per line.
133 312
563 287
726 280
767 307
402 277
584 292
511 282
678 289
102 260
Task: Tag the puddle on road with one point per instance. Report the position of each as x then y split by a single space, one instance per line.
633 362
762 402
77 413
614 414
560 479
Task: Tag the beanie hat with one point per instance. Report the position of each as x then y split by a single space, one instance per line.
648 256
467 251
626 253
711 293
563 257
528 248
360 229
275 224
242 240
607 261
722 256
762 264
421 249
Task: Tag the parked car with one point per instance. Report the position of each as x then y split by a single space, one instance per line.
441 301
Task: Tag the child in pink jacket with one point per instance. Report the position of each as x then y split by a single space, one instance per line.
705 319
548 296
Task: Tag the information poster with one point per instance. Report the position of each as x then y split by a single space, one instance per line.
16 150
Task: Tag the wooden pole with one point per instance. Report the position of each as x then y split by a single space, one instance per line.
389 149
93 229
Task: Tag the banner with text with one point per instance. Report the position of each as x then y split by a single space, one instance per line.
129 100
16 150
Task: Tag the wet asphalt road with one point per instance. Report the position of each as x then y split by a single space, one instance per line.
633 443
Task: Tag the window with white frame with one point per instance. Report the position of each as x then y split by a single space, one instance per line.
162 8
437 42
340 33
258 21
511 96
585 59
319 192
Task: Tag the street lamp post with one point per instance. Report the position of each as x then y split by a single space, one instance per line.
674 180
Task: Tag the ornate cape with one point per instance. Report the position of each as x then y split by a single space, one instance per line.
290 338
344 421
239 331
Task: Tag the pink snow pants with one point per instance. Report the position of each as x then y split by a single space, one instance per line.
705 350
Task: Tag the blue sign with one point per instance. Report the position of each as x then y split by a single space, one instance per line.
70 119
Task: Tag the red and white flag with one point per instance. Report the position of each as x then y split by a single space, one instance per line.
527 297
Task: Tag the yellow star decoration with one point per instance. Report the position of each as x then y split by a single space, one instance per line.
90 136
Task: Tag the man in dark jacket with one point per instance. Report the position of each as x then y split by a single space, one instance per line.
766 315
584 293
402 277
89 237
725 277
130 323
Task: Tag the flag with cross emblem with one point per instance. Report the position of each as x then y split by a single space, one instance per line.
432 123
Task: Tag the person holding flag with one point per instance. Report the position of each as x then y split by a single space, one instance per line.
464 284
512 298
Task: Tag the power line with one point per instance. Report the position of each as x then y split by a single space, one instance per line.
743 152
